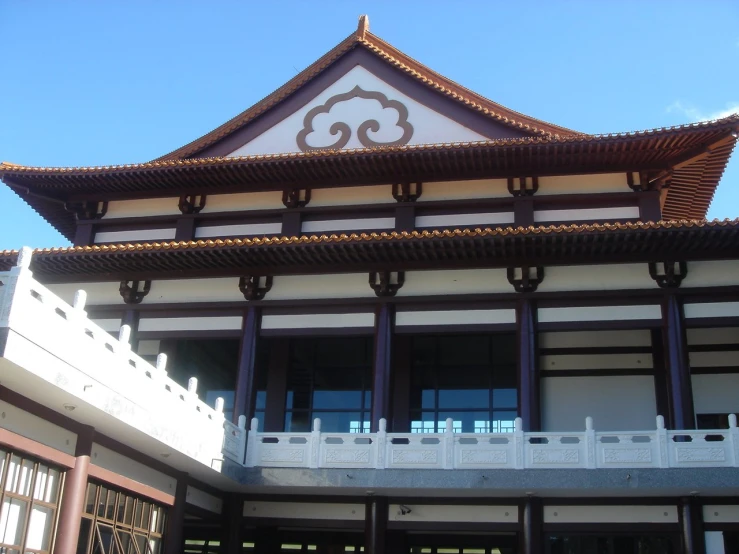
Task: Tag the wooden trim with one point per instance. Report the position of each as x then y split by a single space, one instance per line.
36 449
185 229
121 482
84 234
292 223
731 370
214 334
548 373
606 528
523 211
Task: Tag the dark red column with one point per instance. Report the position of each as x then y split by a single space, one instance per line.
401 375
375 525
381 398
173 538
131 318
73 495
649 206
532 517
528 363
680 391
691 522
279 362
246 390
233 518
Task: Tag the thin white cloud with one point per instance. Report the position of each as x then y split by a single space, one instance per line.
696 114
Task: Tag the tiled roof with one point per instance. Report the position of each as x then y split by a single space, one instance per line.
488 247
365 39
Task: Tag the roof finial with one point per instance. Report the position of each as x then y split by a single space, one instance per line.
363 26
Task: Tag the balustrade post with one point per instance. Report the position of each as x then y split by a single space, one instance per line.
519 443
15 286
448 445
590 450
381 441
192 388
315 444
663 454
734 438
252 444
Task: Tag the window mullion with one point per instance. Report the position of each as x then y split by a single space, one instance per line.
29 507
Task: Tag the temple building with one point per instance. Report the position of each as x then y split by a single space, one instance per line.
377 312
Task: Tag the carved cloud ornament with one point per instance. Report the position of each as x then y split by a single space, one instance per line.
344 130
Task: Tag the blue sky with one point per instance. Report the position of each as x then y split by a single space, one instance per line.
99 83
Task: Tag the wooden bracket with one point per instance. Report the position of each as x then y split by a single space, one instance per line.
668 274
523 186
255 287
87 209
407 192
526 278
386 283
295 198
191 203
642 181
132 291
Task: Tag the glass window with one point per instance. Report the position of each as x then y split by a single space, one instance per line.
28 504
330 379
613 544
122 524
468 378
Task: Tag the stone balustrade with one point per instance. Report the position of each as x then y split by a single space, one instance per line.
587 449
103 371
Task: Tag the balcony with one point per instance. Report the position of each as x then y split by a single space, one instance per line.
55 355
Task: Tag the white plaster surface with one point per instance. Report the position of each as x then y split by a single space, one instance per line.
589 339
465 220
202 499
358 224
135 235
190 323
352 196
583 184
712 274
713 335
610 514
719 513
711 309
117 463
317 321
463 514
596 277
97 293
463 281
245 230
32 427
716 393
586 214
344 285
455 317
142 208
596 361
428 125
242 201
616 403
303 510
462 190
599 313
223 289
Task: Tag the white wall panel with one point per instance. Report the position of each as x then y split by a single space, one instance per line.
462 514
117 463
246 230
202 499
138 235
359 224
352 196
583 184
719 513
590 339
596 361
112 325
462 190
713 335
711 309
465 220
455 317
610 514
97 293
345 285
32 427
596 277
303 510
586 214
714 359
714 542
623 403
244 201
182 291
712 274
716 393
317 321
599 313
148 347
227 323
463 281
142 208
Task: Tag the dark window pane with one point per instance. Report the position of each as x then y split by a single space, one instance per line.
466 422
464 399
261 402
464 350
505 398
90 500
84 537
297 422
341 422
337 400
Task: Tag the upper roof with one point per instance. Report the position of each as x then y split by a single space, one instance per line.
364 41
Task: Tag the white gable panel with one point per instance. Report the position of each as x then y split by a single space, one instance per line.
354 100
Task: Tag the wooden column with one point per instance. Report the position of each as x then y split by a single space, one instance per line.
660 375
680 392
528 365
649 205
691 523
375 525
532 517
405 217
381 397
401 376
185 230
279 360
523 211
173 538
266 540
246 390
131 318
84 234
73 495
292 223
231 530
